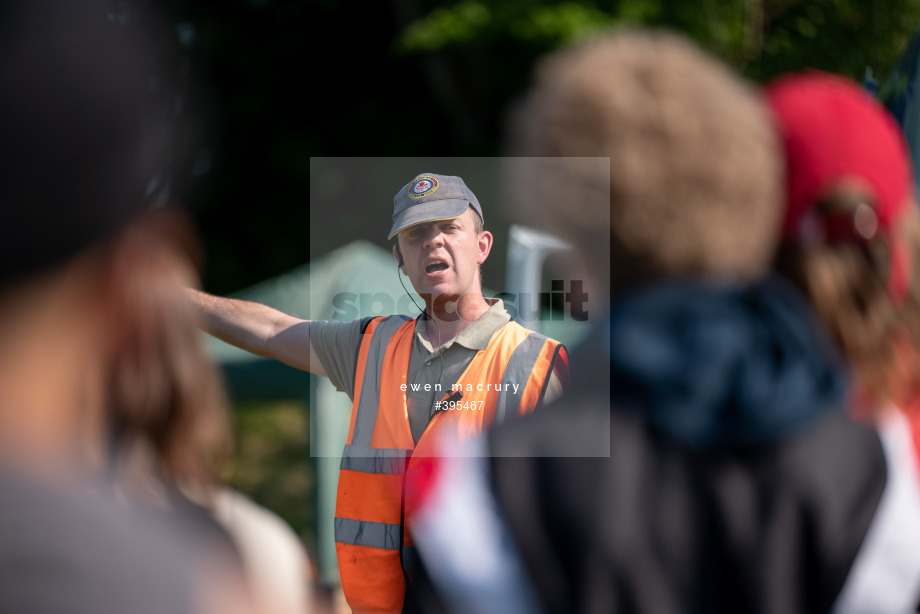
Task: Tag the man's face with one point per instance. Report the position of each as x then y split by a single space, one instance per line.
442 258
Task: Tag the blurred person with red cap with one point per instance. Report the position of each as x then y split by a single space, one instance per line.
89 159
851 244
702 460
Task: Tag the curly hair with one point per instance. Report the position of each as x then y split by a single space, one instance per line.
694 163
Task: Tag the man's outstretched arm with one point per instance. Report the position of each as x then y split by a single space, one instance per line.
257 328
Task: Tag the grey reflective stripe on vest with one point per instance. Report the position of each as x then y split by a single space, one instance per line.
367 533
517 371
387 461
370 384
360 456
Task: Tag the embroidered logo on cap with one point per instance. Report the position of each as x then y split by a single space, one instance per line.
423 186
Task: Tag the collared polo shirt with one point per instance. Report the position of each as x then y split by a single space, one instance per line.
431 373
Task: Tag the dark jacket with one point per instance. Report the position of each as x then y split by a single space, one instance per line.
733 481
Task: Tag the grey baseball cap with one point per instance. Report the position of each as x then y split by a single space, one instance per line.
429 198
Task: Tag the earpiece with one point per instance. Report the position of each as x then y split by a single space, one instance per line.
400 263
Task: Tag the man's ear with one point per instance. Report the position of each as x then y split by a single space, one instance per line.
485 246
398 255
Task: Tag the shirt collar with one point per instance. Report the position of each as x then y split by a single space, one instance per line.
477 335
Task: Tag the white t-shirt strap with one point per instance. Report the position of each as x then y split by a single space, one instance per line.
462 536
885 576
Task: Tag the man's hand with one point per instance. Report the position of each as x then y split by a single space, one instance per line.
257 328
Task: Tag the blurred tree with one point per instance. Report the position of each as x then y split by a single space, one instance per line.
759 37
287 80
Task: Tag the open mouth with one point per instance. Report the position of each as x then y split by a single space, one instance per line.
436 266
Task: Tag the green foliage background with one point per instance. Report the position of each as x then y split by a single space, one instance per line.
270 463
281 81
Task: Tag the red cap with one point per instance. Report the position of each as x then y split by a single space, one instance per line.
832 130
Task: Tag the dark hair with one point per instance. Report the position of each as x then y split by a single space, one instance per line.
87 102
166 399
847 282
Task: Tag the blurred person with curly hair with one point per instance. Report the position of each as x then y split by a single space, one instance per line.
702 459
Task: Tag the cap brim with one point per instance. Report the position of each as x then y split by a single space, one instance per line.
429 212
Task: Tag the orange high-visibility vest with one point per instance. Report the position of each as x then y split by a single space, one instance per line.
370 534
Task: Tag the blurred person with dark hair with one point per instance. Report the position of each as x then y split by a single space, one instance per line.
170 427
87 118
702 460
850 243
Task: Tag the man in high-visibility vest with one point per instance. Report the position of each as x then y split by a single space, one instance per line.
460 367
